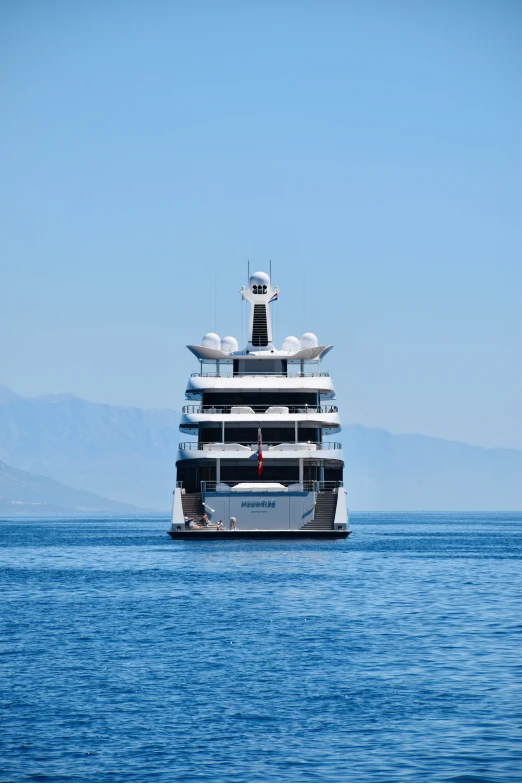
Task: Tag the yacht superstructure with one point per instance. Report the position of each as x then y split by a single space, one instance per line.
260 417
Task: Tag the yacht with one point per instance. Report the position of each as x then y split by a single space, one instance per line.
259 464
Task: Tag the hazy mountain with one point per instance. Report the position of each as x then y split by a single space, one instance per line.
128 454
415 472
25 494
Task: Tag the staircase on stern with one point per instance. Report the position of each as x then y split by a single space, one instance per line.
324 512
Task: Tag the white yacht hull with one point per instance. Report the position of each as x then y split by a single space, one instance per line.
290 510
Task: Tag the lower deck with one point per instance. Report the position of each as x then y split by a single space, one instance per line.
261 509
191 473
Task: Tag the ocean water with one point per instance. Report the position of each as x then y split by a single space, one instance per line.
392 656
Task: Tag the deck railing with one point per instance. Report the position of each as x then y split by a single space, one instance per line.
309 485
266 445
260 409
260 374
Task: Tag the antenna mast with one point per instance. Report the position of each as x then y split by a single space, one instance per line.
215 301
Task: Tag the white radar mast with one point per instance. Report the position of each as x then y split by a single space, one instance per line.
259 293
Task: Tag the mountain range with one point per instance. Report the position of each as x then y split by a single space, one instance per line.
127 455
27 494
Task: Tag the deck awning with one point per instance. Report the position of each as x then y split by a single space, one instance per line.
213 355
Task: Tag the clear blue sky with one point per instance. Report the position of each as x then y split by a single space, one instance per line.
371 149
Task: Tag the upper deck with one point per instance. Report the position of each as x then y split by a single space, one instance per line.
223 381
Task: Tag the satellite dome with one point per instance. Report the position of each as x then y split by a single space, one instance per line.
259 283
229 345
291 344
309 340
212 340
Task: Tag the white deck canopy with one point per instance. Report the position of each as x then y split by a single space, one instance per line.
259 487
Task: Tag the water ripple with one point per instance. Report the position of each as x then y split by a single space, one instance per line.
393 656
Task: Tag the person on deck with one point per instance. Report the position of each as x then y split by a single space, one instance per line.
232 523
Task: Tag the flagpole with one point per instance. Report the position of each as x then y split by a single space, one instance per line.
259 453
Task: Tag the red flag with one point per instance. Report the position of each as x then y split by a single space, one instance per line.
259 453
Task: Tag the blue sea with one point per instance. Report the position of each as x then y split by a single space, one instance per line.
392 656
